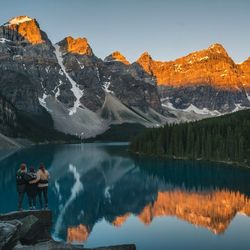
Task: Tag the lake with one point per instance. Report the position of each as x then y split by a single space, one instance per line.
101 195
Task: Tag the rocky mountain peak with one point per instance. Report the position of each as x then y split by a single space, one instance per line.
145 61
210 66
217 48
23 28
117 56
18 20
145 56
214 52
76 46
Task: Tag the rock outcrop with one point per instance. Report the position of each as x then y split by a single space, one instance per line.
207 79
96 78
23 29
76 46
35 225
117 57
30 230
9 234
245 77
8 117
211 66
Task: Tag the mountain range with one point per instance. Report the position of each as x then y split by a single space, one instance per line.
65 87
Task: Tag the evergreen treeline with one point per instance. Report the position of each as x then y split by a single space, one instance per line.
224 138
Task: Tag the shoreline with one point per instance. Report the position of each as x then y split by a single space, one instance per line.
229 163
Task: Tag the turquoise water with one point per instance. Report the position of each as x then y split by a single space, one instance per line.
101 195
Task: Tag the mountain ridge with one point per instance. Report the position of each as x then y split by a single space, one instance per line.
72 85
211 66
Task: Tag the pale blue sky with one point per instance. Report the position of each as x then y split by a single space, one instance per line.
167 29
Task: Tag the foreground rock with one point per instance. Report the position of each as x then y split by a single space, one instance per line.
35 225
9 234
31 230
52 245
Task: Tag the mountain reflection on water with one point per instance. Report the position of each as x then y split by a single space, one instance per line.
96 183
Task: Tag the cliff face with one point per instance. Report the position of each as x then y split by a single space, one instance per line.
118 57
208 79
114 75
28 66
68 82
23 29
8 117
245 77
77 46
211 66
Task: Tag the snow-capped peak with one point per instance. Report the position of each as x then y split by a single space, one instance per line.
18 20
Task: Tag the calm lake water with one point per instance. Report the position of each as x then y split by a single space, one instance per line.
100 195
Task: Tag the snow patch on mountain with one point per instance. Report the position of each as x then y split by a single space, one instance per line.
57 88
203 111
4 40
75 88
248 96
80 64
42 102
98 74
106 86
238 107
168 104
192 113
19 19
47 68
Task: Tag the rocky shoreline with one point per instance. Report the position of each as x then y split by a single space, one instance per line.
30 230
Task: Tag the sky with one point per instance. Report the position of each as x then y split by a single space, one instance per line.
166 29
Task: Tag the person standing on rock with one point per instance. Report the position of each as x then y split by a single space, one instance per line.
43 183
32 188
21 180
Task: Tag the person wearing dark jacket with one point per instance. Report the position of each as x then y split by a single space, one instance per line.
21 178
32 188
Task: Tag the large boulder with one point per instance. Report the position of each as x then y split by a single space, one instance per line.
9 234
34 225
52 245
